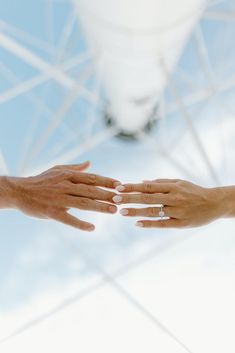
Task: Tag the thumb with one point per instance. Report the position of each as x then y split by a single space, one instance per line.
83 166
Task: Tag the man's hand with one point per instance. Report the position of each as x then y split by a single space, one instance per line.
52 193
185 204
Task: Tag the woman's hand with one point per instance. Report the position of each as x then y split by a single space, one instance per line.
185 204
52 193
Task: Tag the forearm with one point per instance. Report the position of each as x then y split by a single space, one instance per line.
227 201
7 192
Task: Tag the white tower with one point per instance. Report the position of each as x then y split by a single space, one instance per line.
133 38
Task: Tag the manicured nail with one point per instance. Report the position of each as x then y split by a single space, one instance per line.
120 188
124 212
139 224
113 209
117 199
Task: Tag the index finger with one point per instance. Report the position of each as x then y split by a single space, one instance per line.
94 179
150 187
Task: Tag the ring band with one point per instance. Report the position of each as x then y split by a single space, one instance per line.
161 212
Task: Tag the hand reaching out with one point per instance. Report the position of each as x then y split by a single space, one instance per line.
52 193
184 204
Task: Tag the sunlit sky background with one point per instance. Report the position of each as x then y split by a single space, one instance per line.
122 275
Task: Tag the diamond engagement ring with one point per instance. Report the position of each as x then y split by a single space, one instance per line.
161 212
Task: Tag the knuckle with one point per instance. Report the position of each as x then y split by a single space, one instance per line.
179 197
52 212
147 198
132 212
126 199
66 173
92 178
175 187
163 224
63 187
85 188
83 202
148 187
152 211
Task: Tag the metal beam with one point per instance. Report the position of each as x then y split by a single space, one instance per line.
74 153
35 61
186 115
28 85
56 119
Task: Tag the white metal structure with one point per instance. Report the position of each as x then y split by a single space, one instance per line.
133 39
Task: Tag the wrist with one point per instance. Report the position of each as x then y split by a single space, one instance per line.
225 201
8 192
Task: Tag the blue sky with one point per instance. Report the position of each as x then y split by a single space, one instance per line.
22 273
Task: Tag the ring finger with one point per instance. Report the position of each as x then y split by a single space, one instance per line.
86 204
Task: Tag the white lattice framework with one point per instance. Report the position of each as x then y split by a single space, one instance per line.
54 64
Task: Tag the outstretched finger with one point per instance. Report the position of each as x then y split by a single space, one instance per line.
85 204
94 179
144 198
145 187
89 191
168 223
68 219
147 212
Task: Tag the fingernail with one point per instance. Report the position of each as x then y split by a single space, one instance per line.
91 228
139 224
117 199
116 184
113 209
124 212
120 188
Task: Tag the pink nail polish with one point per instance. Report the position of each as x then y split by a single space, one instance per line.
124 212
139 224
117 199
120 188
113 209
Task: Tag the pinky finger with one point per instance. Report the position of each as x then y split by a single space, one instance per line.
68 219
168 223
